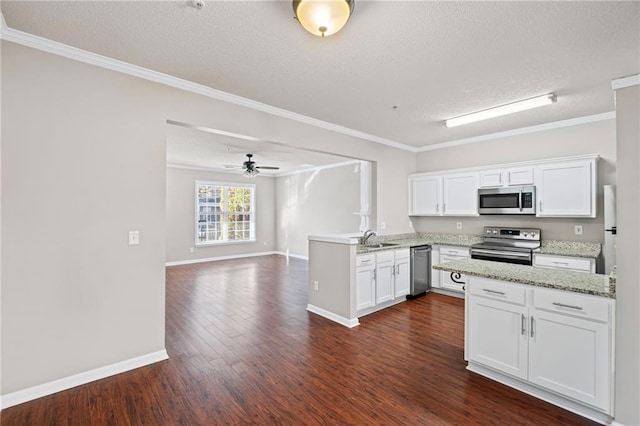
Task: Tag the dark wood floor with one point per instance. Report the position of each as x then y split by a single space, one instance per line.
243 350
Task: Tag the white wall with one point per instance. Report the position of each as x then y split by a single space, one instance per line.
88 145
321 201
591 138
181 216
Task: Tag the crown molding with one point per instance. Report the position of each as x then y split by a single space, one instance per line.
60 49
522 131
621 83
80 55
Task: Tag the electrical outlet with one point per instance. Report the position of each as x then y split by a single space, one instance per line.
383 225
410 224
458 225
316 286
191 250
134 238
578 229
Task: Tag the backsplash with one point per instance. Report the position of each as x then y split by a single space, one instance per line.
552 228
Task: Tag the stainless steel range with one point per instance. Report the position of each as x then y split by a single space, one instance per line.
511 245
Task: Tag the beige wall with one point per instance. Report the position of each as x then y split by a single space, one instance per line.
627 392
86 146
181 216
331 265
316 202
590 138
82 164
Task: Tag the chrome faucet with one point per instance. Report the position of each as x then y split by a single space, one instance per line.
367 234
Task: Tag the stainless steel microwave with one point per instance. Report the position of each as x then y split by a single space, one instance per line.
507 200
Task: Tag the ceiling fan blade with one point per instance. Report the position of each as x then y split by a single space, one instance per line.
229 166
267 167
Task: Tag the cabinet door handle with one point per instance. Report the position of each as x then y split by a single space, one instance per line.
531 326
437 207
523 324
374 275
366 261
397 269
562 305
560 263
488 290
540 204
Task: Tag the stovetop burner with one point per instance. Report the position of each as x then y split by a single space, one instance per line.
512 245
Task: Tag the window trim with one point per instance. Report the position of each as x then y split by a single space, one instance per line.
252 215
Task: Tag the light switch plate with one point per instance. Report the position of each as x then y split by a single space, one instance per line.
578 229
458 225
134 238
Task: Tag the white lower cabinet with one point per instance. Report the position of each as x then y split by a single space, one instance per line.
557 340
497 336
580 264
365 281
452 280
385 272
382 279
571 356
402 279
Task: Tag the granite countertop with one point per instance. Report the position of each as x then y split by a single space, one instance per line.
578 282
569 248
417 239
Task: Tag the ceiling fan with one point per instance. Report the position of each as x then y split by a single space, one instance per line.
250 167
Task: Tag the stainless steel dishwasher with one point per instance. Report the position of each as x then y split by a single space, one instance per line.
420 271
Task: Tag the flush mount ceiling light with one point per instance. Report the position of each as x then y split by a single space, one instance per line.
523 105
323 17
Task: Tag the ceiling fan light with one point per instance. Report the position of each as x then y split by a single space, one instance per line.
250 173
501 110
323 17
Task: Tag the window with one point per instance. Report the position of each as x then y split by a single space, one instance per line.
224 213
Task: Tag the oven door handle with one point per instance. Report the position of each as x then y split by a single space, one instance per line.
501 253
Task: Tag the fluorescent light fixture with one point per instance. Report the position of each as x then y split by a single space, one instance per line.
523 105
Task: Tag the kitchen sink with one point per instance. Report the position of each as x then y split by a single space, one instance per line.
380 245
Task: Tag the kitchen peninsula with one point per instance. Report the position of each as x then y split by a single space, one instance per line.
546 332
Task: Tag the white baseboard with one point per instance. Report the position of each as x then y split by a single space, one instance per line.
215 259
333 317
234 256
295 256
35 392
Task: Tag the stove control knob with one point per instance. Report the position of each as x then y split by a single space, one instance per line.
488 231
526 234
495 231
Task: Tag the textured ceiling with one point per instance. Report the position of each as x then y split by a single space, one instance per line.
433 60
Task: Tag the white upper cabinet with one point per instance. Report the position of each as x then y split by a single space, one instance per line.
425 195
491 178
566 189
460 194
519 176
506 177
